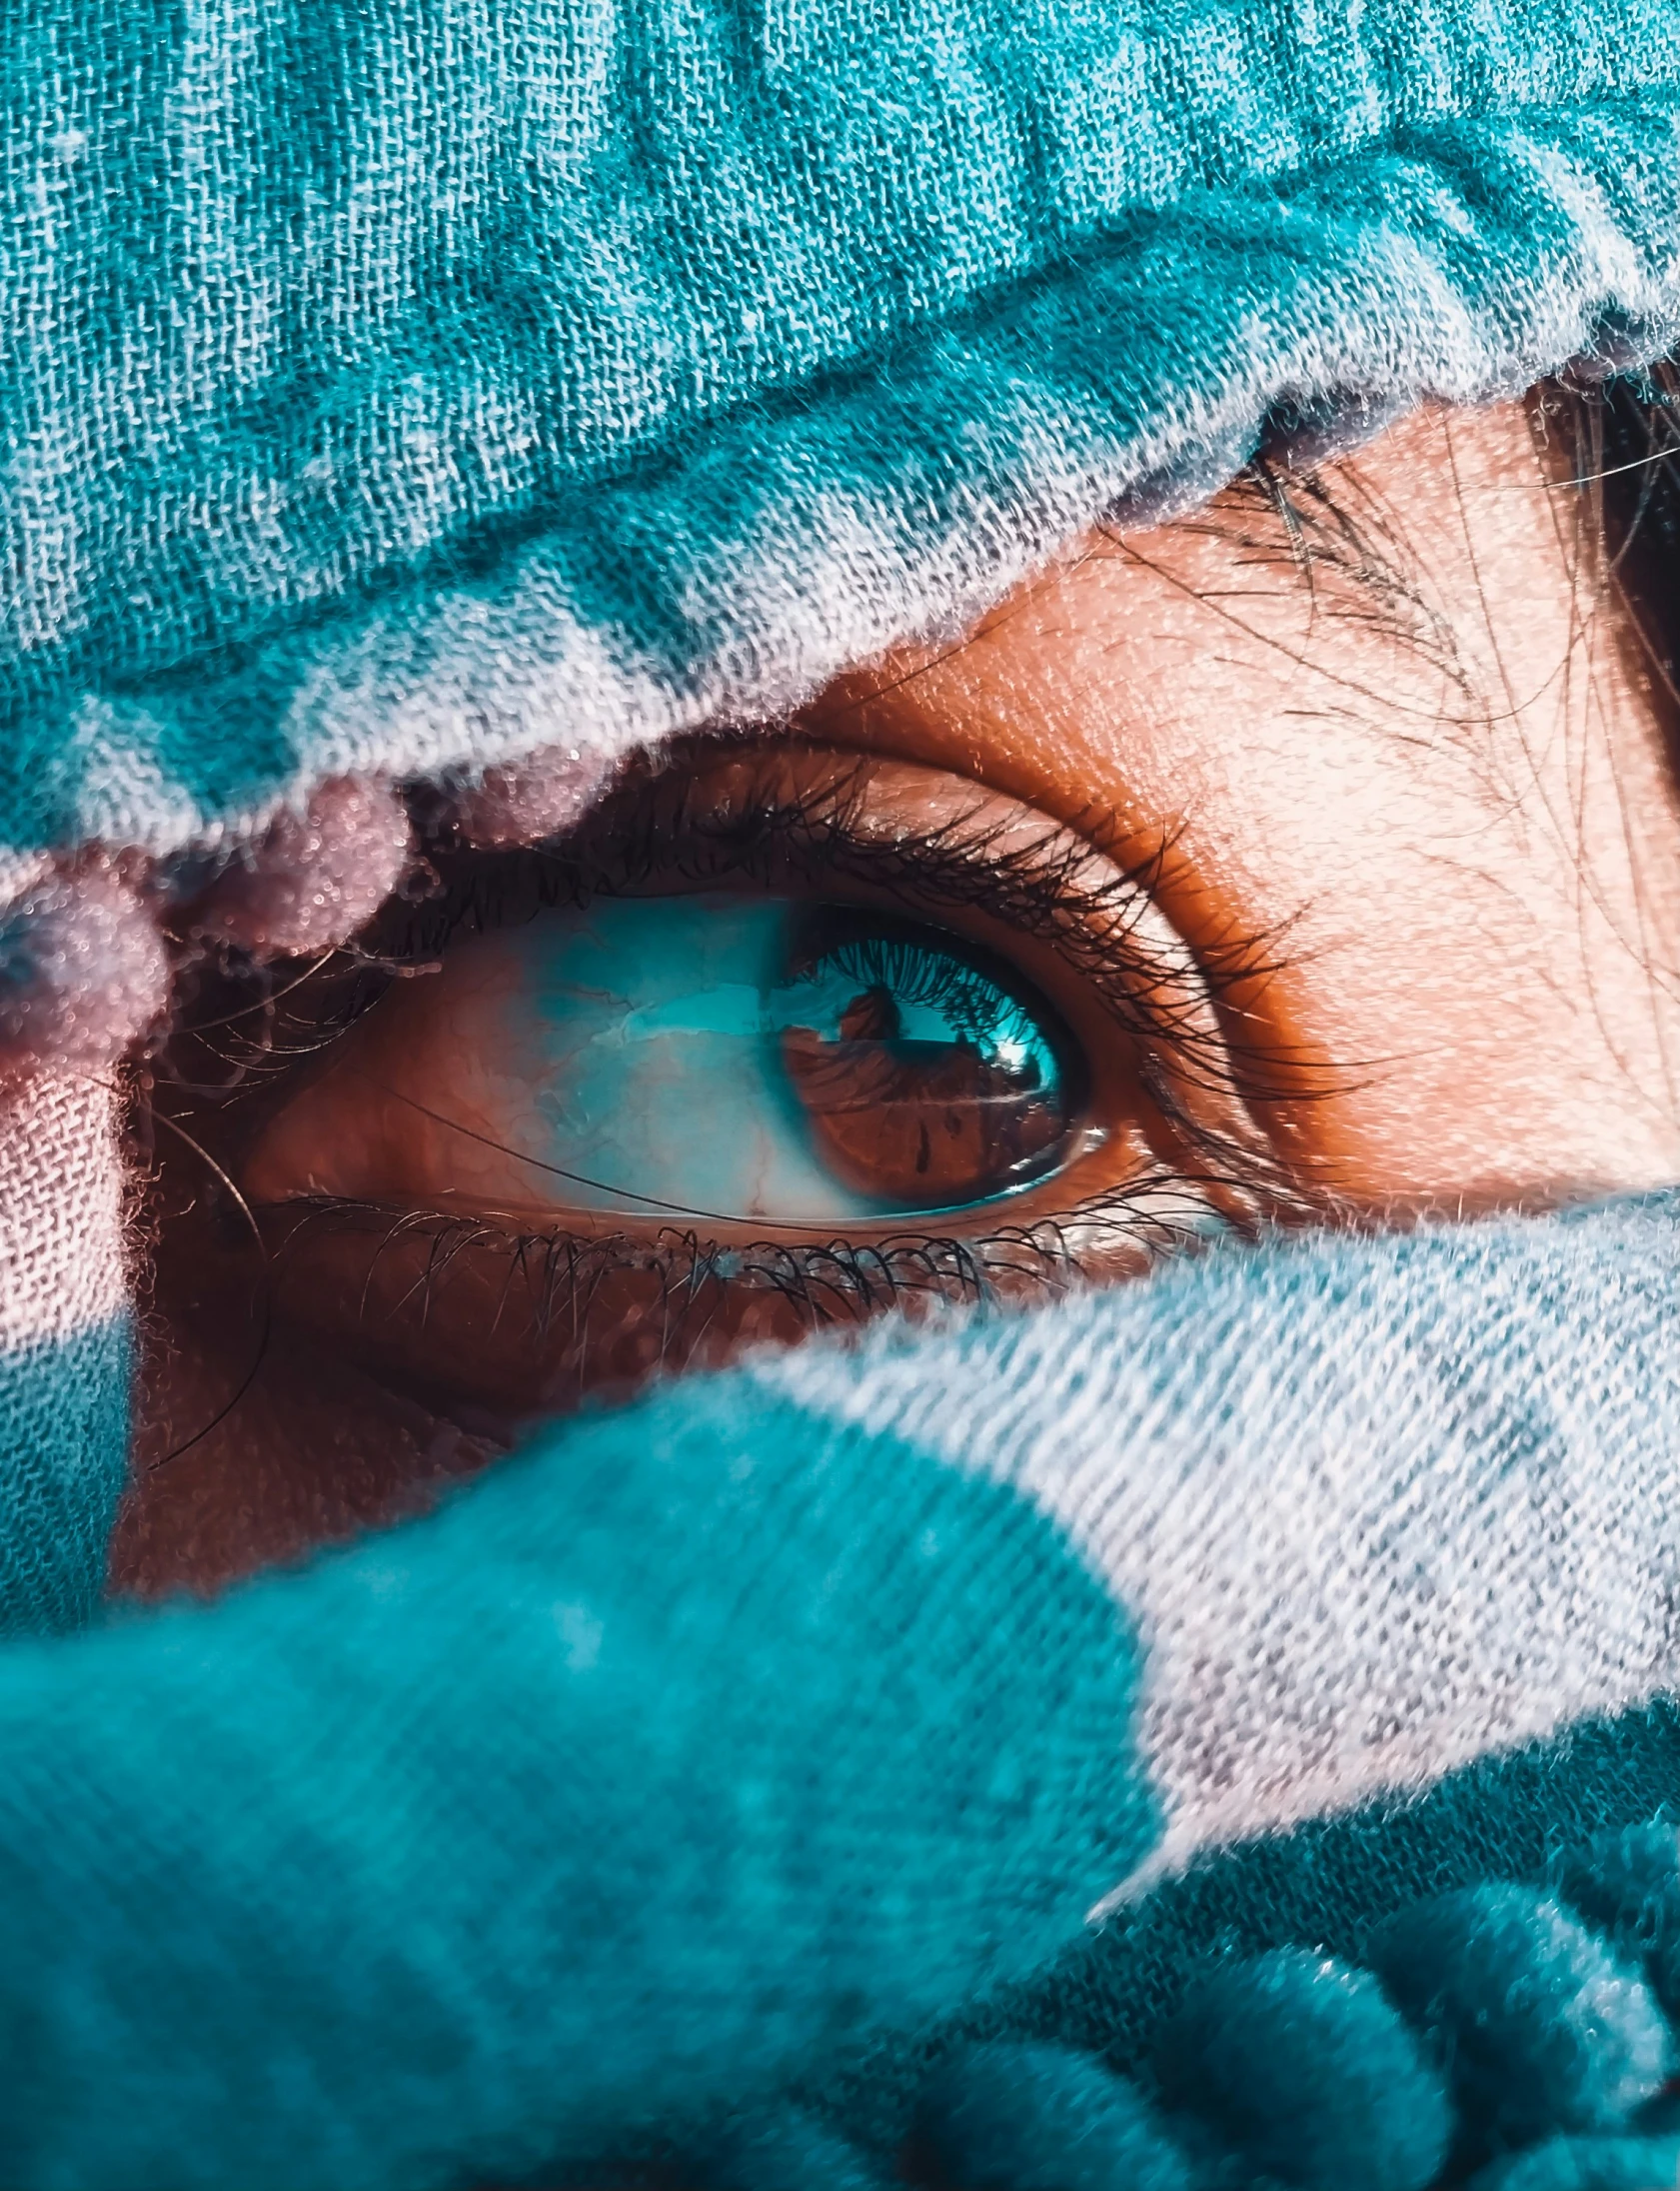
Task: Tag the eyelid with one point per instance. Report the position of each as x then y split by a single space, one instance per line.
799 817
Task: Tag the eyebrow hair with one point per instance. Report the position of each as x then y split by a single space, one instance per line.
1622 444
1307 522
1356 568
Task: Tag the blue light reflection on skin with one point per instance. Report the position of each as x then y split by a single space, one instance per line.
650 1028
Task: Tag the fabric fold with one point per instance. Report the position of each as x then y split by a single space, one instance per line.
1378 1507
701 355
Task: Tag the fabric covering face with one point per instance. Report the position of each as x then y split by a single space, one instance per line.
396 393
65 1352
402 391
698 1752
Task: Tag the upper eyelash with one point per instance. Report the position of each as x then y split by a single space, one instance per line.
1034 889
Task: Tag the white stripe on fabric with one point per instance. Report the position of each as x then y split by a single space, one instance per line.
1378 1507
62 1246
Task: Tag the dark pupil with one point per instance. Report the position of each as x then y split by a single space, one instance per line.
925 1083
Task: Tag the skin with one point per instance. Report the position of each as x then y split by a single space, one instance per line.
1475 877
1416 799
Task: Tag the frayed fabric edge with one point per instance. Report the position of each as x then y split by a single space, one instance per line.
725 581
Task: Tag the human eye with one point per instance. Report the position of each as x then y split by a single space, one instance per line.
717 1056
776 1038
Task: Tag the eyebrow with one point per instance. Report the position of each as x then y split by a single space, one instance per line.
1304 520
1300 524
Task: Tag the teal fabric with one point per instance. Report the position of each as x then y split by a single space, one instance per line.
728 1747
1332 1891
64 1419
669 1762
406 386
1332 1882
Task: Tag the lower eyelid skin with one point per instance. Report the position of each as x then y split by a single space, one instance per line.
526 1325
517 1326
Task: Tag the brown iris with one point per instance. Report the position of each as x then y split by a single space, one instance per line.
926 1079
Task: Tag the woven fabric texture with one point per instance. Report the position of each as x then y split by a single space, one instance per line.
1377 1512
723 1746
404 387
65 1348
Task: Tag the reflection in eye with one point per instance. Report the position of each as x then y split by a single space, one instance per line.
752 1057
923 1078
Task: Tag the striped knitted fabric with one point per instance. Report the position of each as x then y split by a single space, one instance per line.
1070 1746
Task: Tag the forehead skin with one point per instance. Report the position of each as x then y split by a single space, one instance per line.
1426 776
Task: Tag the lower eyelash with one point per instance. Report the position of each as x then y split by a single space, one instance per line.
829 1283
